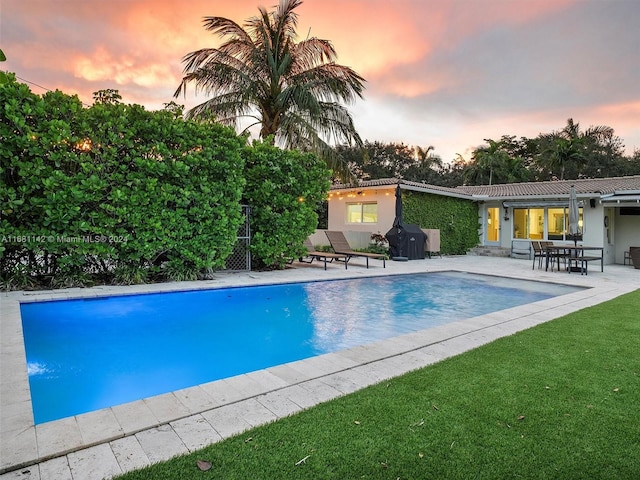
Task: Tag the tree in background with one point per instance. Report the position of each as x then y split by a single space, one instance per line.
176 109
486 159
565 154
508 160
393 160
568 152
292 90
498 162
633 164
108 96
427 167
453 173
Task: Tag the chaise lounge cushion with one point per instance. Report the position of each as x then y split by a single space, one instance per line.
322 256
340 245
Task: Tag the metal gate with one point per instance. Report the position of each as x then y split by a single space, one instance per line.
240 259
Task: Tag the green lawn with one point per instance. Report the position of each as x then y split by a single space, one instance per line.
558 401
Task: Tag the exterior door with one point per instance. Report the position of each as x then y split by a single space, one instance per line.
492 226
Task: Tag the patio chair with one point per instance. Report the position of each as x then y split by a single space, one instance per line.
539 253
552 256
341 246
325 257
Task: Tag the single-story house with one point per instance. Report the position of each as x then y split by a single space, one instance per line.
609 211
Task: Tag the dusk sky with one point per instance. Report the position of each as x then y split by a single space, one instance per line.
446 73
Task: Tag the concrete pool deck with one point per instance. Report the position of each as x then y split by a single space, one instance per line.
105 443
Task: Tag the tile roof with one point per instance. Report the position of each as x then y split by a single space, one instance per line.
380 182
386 182
585 186
556 188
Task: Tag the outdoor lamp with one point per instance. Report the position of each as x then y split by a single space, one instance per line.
506 213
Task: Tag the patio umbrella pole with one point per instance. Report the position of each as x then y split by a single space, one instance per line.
574 224
397 223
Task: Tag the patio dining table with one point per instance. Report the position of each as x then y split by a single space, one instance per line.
575 254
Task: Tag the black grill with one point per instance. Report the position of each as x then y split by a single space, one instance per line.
406 242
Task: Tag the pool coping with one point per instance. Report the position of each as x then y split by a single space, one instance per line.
227 407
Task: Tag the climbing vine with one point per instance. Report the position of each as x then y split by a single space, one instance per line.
457 219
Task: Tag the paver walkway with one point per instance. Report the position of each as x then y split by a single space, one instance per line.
102 444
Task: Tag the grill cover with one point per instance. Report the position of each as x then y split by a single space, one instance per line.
406 241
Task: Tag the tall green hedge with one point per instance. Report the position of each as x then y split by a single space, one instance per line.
116 194
456 218
285 189
112 192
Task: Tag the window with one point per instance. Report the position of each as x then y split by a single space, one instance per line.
558 222
528 223
362 212
532 223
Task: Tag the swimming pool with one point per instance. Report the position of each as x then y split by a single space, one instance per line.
84 355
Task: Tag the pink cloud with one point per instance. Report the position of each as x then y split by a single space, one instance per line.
425 61
101 65
369 36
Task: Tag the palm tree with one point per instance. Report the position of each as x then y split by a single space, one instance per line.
486 161
293 90
426 167
569 148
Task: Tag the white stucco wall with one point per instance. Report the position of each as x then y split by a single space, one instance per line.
626 234
592 232
385 198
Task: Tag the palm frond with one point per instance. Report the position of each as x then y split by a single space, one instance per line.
332 82
286 19
312 52
225 27
296 132
599 132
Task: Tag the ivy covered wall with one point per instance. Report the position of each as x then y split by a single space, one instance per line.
456 218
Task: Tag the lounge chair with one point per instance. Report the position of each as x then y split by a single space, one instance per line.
321 256
341 246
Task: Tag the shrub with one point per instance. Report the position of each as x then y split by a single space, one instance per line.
112 192
284 189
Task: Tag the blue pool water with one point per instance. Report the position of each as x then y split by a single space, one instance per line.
84 355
